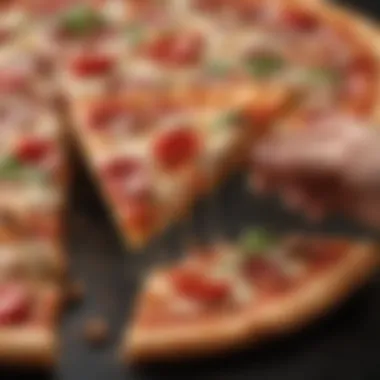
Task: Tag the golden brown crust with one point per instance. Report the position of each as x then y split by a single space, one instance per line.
284 315
29 346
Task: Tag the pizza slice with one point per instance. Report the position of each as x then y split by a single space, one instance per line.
229 295
31 273
154 155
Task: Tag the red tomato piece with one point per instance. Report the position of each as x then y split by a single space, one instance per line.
121 168
33 150
266 275
177 49
176 148
14 304
300 20
198 287
92 65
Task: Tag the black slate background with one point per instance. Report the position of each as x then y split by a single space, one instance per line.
344 345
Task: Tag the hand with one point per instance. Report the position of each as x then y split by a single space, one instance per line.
333 165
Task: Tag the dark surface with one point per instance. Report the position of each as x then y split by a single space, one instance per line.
342 346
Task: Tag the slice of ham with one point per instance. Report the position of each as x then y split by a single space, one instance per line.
120 169
266 275
197 286
176 49
118 117
15 304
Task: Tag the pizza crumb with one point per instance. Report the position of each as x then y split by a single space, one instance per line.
96 331
75 292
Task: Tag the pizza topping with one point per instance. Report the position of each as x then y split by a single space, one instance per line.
121 168
266 274
33 151
119 118
264 65
176 148
15 304
92 65
300 20
257 242
81 21
134 34
13 169
176 49
197 286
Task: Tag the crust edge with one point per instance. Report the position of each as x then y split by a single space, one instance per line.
288 315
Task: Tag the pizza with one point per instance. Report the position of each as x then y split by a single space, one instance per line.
31 273
166 98
225 296
153 156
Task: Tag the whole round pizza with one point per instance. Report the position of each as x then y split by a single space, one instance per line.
165 99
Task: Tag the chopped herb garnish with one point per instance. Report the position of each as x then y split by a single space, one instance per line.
257 241
323 75
134 33
82 20
264 66
229 119
13 170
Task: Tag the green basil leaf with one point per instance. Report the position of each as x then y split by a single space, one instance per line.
82 20
134 33
257 241
13 170
231 118
264 66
